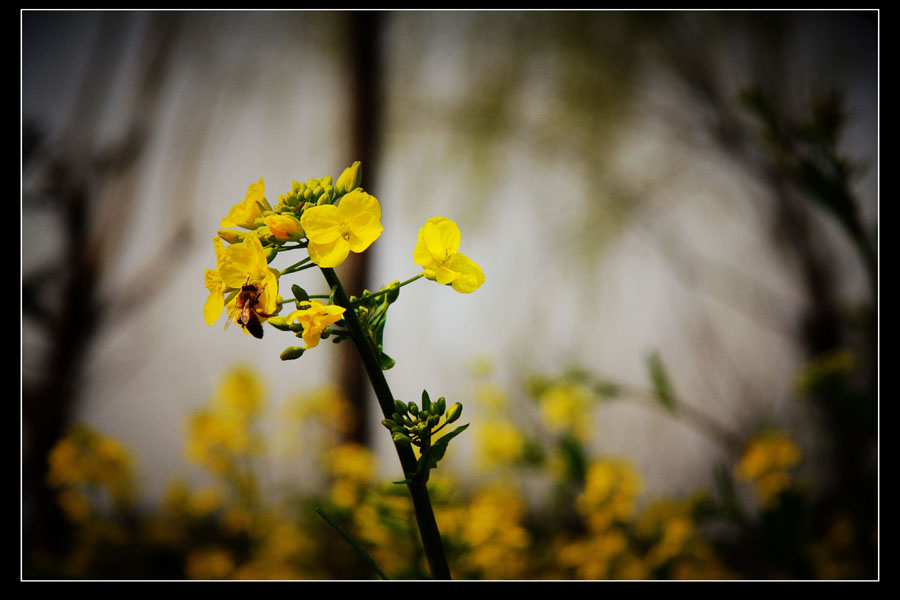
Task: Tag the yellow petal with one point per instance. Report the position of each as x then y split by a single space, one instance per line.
421 256
364 229
469 275
322 224
212 280
357 202
244 262
331 254
441 236
213 307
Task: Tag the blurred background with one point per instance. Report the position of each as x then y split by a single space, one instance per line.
675 211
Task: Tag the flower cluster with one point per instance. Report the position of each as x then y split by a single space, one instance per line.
767 462
329 220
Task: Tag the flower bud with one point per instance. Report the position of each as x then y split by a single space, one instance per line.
389 423
299 293
401 439
231 236
413 409
454 412
440 406
400 407
292 353
350 179
426 402
279 322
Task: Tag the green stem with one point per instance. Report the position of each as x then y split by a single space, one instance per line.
428 529
389 289
297 266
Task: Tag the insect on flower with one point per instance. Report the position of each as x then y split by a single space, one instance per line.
245 309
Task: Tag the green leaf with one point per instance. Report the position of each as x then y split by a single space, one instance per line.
353 543
386 361
435 452
660 380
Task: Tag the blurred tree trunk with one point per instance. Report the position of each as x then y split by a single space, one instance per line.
89 187
365 118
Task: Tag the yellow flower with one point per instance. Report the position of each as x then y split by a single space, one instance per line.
215 302
766 463
610 490
283 227
238 265
244 213
333 231
436 251
315 318
566 407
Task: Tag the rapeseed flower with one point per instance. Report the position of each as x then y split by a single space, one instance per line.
314 318
244 213
240 264
767 462
283 227
334 231
437 252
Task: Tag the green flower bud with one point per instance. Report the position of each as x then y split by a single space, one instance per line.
292 353
389 423
440 406
433 420
454 412
426 402
400 407
231 236
350 179
299 293
397 418
413 409
401 439
279 322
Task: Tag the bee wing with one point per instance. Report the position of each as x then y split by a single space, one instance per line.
232 314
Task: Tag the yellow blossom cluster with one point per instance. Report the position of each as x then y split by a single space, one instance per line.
330 222
491 530
566 407
610 491
767 462
222 433
85 463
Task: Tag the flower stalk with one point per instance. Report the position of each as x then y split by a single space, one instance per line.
428 529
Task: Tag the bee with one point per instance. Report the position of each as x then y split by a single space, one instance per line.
245 309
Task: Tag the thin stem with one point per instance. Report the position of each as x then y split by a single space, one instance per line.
388 289
297 266
428 529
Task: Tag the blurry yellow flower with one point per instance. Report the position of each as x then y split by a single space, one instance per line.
436 252
499 444
212 563
240 393
244 213
85 460
567 407
610 490
314 318
492 529
766 463
352 462
334 231
283 227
